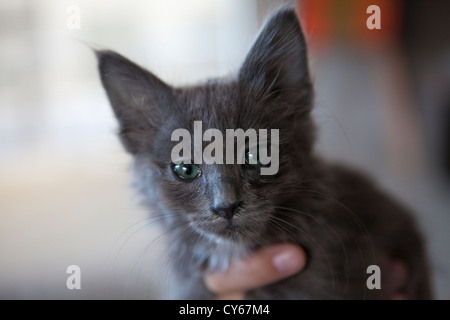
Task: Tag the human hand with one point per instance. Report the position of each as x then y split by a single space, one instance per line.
265 266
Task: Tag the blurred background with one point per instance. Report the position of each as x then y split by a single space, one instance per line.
382 105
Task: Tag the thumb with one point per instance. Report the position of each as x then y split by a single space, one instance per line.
265 266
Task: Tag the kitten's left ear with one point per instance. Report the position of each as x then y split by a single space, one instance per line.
276 65
140 100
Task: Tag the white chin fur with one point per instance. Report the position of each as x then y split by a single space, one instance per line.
222 251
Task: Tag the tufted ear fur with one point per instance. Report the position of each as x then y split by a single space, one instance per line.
139 99
276 65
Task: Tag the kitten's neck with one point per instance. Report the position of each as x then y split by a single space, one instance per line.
205 253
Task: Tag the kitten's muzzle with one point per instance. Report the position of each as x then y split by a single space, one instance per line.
226 211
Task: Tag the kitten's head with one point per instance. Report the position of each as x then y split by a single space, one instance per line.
272 90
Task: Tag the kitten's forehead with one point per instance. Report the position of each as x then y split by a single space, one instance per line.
216 104
223 104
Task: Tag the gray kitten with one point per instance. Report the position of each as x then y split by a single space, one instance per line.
218 212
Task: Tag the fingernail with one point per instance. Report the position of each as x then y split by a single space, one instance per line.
288 261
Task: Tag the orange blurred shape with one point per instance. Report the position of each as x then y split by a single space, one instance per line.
346 20
391 21
316 18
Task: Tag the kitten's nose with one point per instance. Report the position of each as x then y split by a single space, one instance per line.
226 211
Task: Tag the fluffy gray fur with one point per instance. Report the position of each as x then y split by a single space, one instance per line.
342 220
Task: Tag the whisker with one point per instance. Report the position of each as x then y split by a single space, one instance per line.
326 228
135 271
330 266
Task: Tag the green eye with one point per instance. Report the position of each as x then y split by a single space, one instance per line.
252 160
187 171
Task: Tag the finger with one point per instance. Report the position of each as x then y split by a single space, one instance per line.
231 296
399 296
395 277
265 266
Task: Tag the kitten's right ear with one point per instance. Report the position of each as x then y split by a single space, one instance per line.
139 99
276 65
